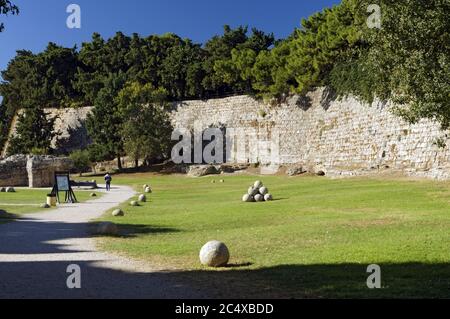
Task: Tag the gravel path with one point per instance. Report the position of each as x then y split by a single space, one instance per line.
36 250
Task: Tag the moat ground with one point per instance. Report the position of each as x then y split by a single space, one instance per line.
315 240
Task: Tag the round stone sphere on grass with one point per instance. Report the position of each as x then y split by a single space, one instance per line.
93 195
145 186
253 191
2 190
134 203
142 198
45 206
263 191
259 198
258 185
247 198
118 213
148 190
107 228
10 190
214 254
268 198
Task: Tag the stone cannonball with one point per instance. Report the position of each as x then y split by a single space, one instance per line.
247 198
253 191
263 191
145 186
268 197
142 198
134 203
259 198
148 190
3 190
214 254
258 185
118 213
10 190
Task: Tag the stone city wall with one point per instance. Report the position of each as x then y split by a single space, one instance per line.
320 133
340 137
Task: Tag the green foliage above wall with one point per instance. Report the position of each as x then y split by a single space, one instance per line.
406 60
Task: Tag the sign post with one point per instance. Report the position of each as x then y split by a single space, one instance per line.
62 184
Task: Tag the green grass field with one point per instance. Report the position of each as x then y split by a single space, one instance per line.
26 201
315 240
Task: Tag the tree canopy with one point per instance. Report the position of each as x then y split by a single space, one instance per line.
7 7
406 61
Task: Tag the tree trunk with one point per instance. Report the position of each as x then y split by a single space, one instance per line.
119 163
136 163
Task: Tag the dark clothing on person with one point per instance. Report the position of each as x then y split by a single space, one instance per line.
108 180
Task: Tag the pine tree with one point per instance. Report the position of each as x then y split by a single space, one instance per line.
34 133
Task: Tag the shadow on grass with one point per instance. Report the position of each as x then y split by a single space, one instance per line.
7 217
241 265
131 230
407 280
128 230
279 199
46 278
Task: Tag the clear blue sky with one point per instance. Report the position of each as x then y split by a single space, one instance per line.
42 21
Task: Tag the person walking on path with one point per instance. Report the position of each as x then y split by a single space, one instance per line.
108 180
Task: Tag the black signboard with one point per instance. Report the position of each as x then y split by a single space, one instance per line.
62 184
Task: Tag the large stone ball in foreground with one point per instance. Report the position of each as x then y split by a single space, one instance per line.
142 198
214 254
107 228
118 213
259 198
258 185
263 191
268 198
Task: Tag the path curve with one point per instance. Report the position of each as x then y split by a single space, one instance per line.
36 250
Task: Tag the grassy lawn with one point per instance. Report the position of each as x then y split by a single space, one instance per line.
315 240
26 201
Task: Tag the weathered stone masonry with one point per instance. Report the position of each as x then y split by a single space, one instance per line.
70 125
342 138
32 171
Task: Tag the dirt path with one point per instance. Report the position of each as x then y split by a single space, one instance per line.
36 250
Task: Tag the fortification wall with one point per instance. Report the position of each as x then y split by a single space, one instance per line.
70 125
341 138
320 133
